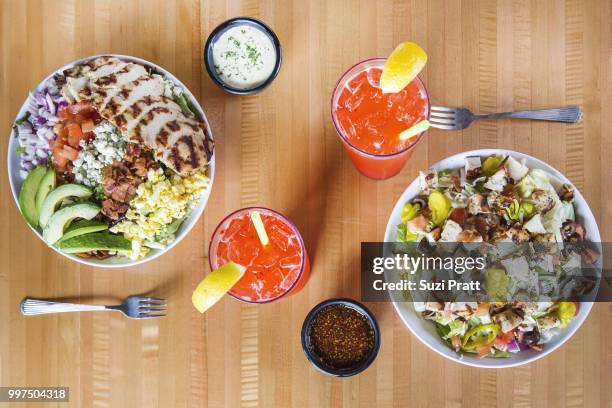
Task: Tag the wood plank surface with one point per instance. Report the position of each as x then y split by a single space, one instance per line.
280 149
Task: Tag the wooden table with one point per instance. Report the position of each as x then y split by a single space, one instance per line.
280 149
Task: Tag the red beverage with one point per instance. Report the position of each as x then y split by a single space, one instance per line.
370 122
280 268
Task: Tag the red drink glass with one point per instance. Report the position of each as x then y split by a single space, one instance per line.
278 269
369 122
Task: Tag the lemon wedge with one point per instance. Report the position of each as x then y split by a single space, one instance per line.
215 285
402 66
414 130
259 227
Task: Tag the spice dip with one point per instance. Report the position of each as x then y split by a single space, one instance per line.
341 336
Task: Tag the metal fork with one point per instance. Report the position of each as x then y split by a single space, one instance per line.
445 118
134 307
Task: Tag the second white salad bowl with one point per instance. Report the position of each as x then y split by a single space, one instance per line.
425 331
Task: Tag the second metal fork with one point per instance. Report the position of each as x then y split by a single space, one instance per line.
445 118
134 307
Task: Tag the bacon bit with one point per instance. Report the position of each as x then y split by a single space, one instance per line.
101 254
537 347
573 232
458 215
113 209
456 183
436 234
122 178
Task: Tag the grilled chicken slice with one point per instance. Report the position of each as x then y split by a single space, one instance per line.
177 141
130 93
128 96
79 77
130 117
129 73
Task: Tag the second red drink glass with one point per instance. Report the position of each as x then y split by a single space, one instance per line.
369 122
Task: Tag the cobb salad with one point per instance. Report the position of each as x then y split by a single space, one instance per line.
113 157
491 203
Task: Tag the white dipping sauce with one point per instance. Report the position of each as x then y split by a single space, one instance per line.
244 57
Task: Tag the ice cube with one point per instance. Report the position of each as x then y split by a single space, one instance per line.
243 253
353 102
232 229
222 253
290 262
279 237
267 258
374 77
356 82
346 124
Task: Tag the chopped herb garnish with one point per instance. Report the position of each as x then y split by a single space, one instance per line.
252 54
20 150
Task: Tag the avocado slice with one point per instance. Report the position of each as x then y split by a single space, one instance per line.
81 227
55 197
95 241
44 188
54 229
27 195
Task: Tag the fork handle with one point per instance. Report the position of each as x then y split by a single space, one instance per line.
567 114
30 307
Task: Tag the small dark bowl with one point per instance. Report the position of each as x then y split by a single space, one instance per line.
315 360
208 54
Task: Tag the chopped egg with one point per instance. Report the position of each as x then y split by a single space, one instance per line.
159 201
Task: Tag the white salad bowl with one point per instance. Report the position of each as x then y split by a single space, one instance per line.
425 330
16 180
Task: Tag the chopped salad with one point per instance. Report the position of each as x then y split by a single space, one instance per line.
496 200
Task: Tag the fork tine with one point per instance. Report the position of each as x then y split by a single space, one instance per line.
442 121
442 109
151 299
440 126
150 315
151 304
442 114
151 309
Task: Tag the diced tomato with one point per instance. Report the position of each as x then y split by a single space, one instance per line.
483 351
417 224
59 160
458 215
63 133
75 134
456 342
69 153
77 123
506 337
64 113
77 108
87 126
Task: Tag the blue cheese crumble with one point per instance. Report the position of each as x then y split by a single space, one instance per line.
107 146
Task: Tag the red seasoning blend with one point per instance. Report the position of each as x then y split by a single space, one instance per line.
341 336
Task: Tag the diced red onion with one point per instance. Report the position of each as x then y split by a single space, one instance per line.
35 133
